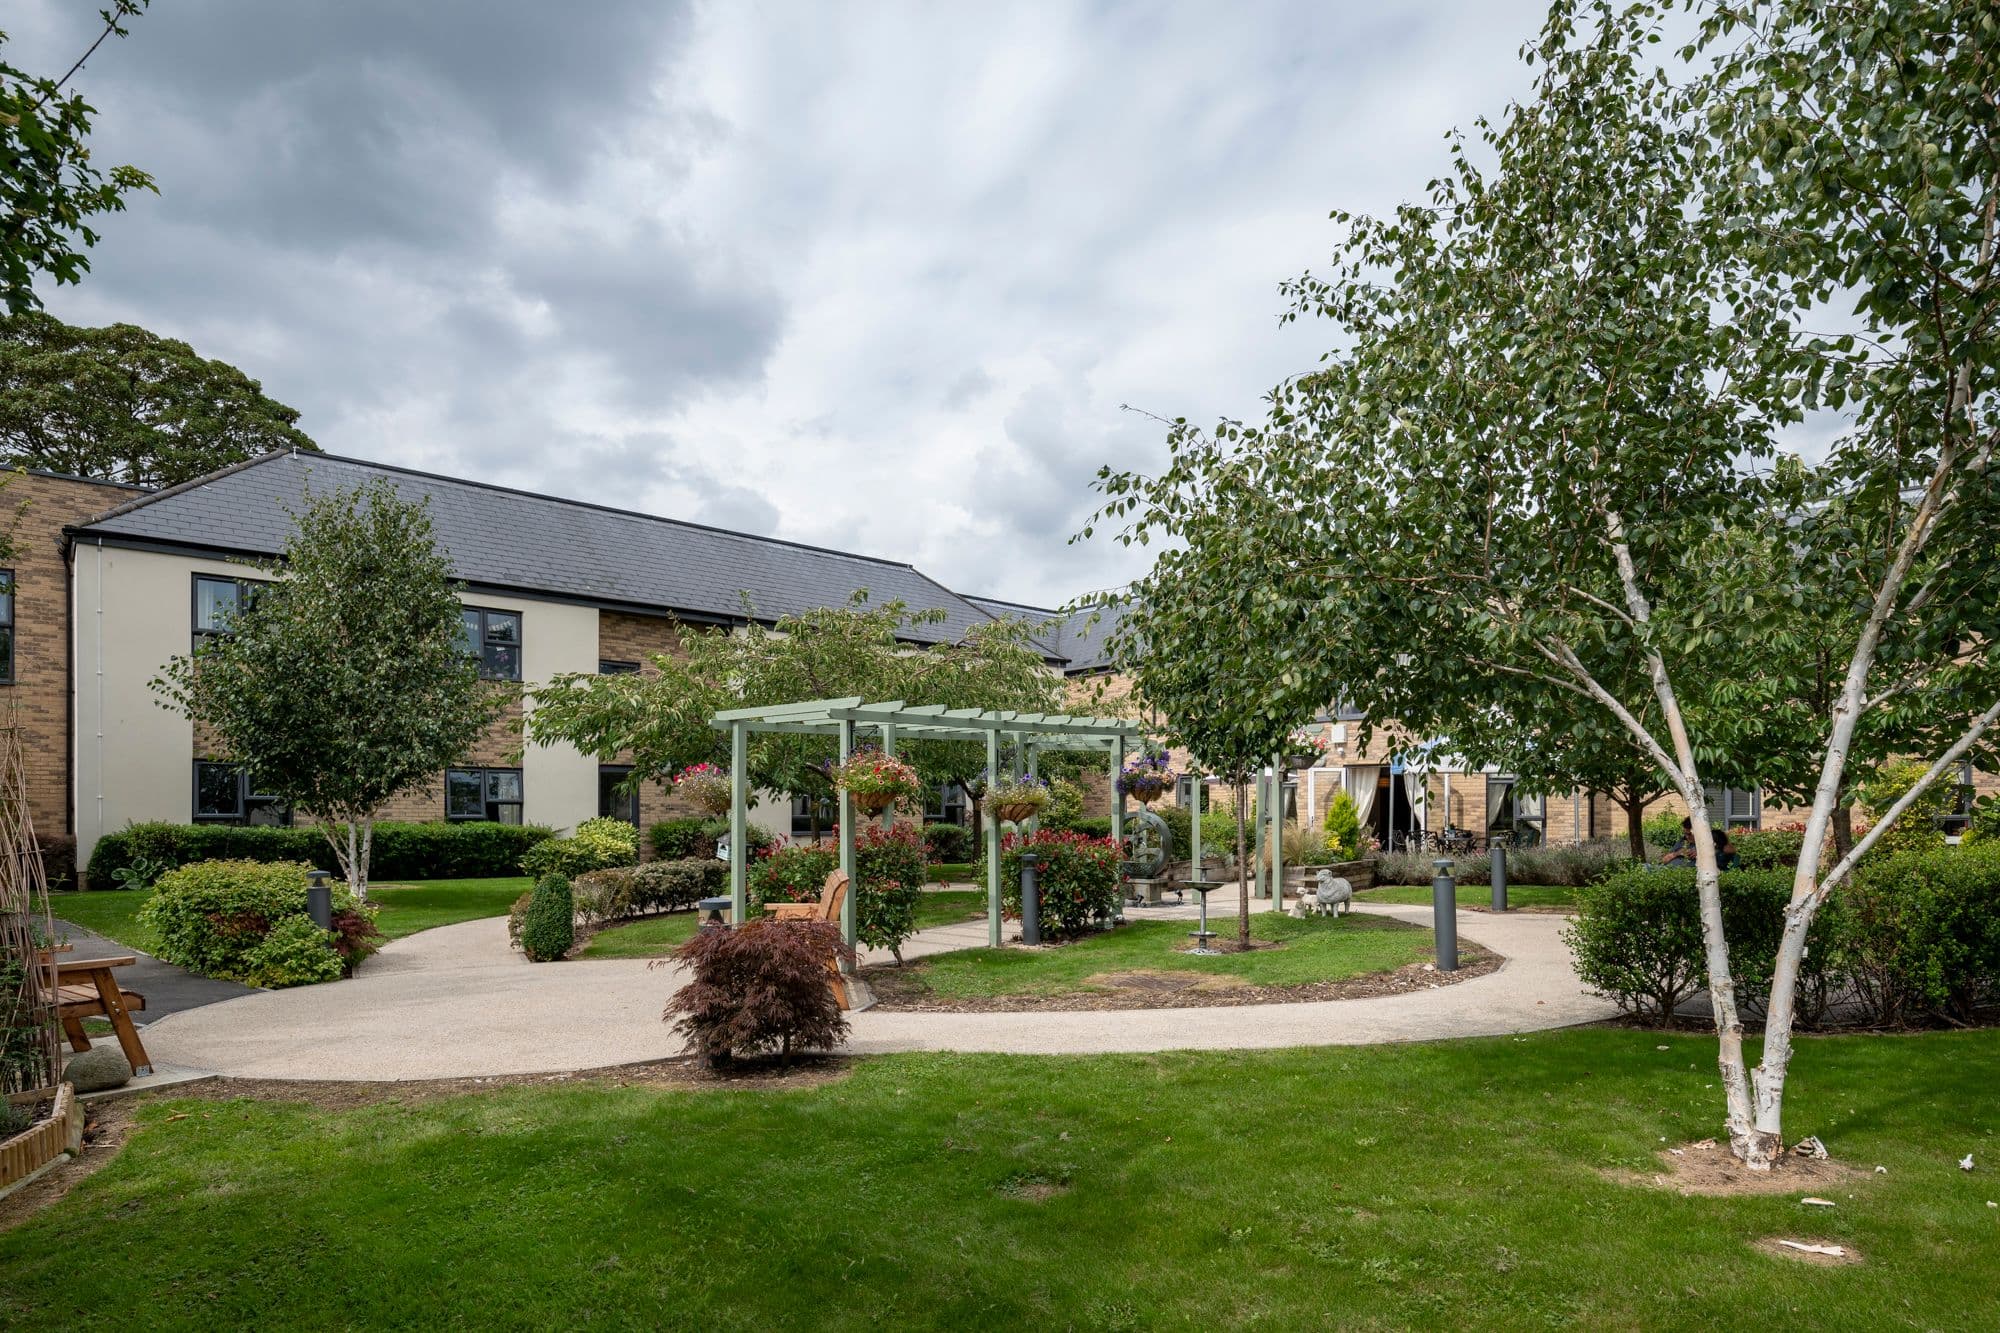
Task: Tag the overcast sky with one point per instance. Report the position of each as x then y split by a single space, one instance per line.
872 275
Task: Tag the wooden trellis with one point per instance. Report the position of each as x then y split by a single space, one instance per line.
33 1042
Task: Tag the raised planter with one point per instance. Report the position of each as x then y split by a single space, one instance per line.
27 1153
1361 874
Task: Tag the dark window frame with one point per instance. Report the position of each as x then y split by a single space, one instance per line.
247 799
489 804
616 666
486 640
9 599
628 799
1964 796
243 593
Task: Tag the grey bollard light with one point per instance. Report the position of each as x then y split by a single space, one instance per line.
319 899
1031 900
1499 855
1444 916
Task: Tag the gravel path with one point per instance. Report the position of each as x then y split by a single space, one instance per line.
458 1002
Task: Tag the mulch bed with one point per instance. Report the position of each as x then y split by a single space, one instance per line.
904 989
1710 1170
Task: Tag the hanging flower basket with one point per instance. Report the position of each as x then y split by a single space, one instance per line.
1147 778
1011 800
706 787
1305 748
877 781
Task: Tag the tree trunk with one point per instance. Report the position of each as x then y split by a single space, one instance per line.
1635 804
1242 866
1843 831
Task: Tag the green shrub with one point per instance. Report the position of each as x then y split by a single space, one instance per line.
1568 866
605 895
1662 829
598 844
548 926
947 844
1769 849
890 873
210 917
1092 826
1922 933
1079 879
1637 939
680 839
1065 805
435 850
294 953
1985 822
792 874
1916 829
670 886
1343 827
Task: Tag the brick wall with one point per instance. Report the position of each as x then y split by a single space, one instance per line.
38 699
622 637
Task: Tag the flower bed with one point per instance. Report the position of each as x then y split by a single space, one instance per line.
26 1153
1079 879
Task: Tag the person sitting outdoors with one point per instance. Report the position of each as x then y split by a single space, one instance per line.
1683 851
1726 855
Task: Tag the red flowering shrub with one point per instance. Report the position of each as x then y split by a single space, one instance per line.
1080 877
763 986
888 865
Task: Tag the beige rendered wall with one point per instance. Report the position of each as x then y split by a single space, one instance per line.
133 612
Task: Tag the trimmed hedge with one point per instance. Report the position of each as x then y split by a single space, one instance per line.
1558 867
680 839
598 844
1923 933
947 844
548 926
657 886
436 850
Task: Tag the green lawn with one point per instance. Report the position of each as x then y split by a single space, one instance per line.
952 872
1316 949
649 937
1441 1186
1474 895
657 936
406 908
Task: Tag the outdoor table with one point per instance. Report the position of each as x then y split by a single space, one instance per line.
85 987
1203 887
715 907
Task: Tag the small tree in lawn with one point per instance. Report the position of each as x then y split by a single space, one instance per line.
1189 642
347 680
1544 445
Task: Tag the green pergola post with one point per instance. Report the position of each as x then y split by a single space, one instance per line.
1277 832
1034 758
889 748
1260 800
850 919
1194 834
992 845
1117 796
739 833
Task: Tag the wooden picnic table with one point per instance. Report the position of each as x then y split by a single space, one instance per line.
87 988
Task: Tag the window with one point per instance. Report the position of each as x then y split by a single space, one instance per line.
1963 796
615 800
493 639
1732 807
813 816
225 794
216 599
483 793
1512 817
613 667
947 804
6 627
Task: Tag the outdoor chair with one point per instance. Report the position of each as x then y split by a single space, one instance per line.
831 894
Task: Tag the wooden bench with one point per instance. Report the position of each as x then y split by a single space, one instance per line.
86 988
847 991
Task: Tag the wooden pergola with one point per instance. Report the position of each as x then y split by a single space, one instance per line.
1023 735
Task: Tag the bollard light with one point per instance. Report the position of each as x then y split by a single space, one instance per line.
1444 916
1499 855
1031 900
319 899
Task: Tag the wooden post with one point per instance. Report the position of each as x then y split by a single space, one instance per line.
992 844
850 919
739 831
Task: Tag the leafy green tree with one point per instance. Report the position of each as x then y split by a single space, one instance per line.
48 188
345 681
128 405
1548 432
1342 826
661 717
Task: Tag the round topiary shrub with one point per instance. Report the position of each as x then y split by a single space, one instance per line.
211 917
548 927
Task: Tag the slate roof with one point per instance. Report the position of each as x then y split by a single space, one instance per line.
1078 636
519 541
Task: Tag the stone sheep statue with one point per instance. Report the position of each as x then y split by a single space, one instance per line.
1330 897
